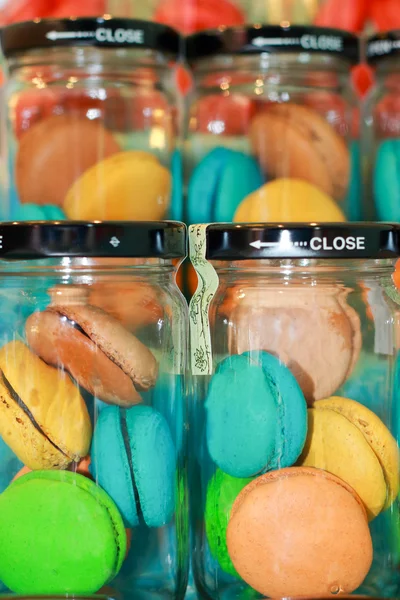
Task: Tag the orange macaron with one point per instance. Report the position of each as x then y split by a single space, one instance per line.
300 532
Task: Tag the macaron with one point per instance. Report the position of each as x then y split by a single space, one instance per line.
59 534
133 459
219 183
43 417
127 186
222 492
35 212
265 432
290 200
294 141
265 318
94 347
10 465
54 153
134 304
387 180
300 532
350 441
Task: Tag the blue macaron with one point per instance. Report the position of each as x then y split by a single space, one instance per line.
256 415
387 181
133 459
219 183
10 465
34 212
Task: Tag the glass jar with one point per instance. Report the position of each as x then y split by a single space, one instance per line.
294 470
91 120
93 334
381 140
270 131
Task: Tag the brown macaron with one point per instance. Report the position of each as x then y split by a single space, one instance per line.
300 532
55 152
93 346
294 141
313 331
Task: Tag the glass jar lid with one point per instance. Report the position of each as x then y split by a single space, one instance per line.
382 46
302 240
111 239
100 32
273 39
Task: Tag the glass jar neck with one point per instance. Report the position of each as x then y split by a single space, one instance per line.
54 63
307 70
388 74
307 271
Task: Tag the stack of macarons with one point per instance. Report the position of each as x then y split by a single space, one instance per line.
89 482
68 166
289 505
296 167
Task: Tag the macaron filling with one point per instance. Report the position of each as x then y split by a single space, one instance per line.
18 400
128 450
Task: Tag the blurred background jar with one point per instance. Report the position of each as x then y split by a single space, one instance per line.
271 129
91 120
93 345
381 143
295 367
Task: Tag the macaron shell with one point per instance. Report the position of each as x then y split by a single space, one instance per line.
110 465
280 324
240 177
377 435
58 343
387 181
203 185
295 141
127 186
56 405
154 463
133 357
241 438
335 445
72 543
10 465
291 410
326 547
222 491
291 200
54 153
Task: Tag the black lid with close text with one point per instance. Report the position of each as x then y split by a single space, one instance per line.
383 45
245 241
114 239
100 32
273 39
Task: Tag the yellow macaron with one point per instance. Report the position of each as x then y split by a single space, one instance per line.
127 186
290 200
349 440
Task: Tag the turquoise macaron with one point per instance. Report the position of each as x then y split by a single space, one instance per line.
219 183
256 415
387 181
34 212
133 459
10 465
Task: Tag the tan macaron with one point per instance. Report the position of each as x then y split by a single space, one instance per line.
300 532
101 355
313 330
291 140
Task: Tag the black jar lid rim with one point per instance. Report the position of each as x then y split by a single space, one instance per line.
244 241
273 39
102 32
383 45
31 240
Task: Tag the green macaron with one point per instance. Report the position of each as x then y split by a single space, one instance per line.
59 534
222 492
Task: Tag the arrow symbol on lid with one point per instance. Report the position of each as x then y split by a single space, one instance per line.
68 35
258 244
